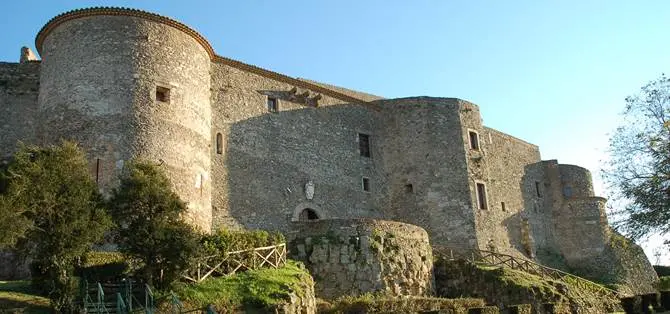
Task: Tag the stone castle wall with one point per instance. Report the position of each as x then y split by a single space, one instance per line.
355 256
267 158
126 83
19 87
424 165
99 84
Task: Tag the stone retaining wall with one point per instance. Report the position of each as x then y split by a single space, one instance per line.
355 256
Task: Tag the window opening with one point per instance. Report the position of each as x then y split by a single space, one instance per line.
567 191
474 140
97 170
162 94
366 184
273 104
502 205
481 195
219 143
364 144
537 189
308 214
409 188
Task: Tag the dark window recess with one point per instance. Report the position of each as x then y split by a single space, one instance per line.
409 188
308 214
474 140
537 189
481 195
366 184
162 94
567 191
97 170
219 143
273 104
502 205
364 144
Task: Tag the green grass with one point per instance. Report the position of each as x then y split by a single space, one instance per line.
19 297
261 288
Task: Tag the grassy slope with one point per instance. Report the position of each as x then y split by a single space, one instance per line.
257 288
18 297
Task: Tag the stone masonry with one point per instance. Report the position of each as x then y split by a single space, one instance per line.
251 148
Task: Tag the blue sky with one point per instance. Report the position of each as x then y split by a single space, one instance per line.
554 73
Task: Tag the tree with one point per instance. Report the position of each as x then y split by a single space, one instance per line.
639 167
52 188
15 218
150 226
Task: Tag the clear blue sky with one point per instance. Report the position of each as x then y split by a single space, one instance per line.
554 73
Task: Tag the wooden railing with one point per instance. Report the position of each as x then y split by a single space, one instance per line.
236 261
490 258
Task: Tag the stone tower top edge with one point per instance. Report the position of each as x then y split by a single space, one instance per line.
119 11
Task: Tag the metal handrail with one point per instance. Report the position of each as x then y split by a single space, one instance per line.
177 306
121 307
149 306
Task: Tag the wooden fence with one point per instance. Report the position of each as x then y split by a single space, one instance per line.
490 258
236 261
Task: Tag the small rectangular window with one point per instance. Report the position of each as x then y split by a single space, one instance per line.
97 170
273 104
409 188
502 205
162 94
366 184
364 144
474 140
567 191
537 189
481 195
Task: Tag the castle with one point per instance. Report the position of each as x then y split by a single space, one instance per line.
248 147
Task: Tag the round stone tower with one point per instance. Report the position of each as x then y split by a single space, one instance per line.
130 84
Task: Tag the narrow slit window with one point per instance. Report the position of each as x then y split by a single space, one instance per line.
481 196
364 144
474 140
97 171
409 188
219 143
366 184
537 189
502 205
273 104
162 94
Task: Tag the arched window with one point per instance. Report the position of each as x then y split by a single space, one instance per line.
308 214
219 143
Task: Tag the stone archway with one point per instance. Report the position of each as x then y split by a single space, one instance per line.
307 211
308 214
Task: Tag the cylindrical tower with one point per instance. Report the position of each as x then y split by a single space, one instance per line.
130 84
576 181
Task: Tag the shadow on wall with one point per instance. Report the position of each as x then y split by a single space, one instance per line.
274 166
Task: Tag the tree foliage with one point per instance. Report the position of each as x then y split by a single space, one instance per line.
639 167
150 226
15 218
51 187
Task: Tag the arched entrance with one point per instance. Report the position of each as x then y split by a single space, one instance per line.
308 214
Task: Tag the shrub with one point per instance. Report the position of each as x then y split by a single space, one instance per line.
225 241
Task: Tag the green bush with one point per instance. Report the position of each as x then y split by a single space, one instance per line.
664 283
662 270
225 241
103 267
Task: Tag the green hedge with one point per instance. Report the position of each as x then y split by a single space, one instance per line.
103 267
662 270
225 241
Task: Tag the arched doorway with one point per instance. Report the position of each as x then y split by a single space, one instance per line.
308 214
